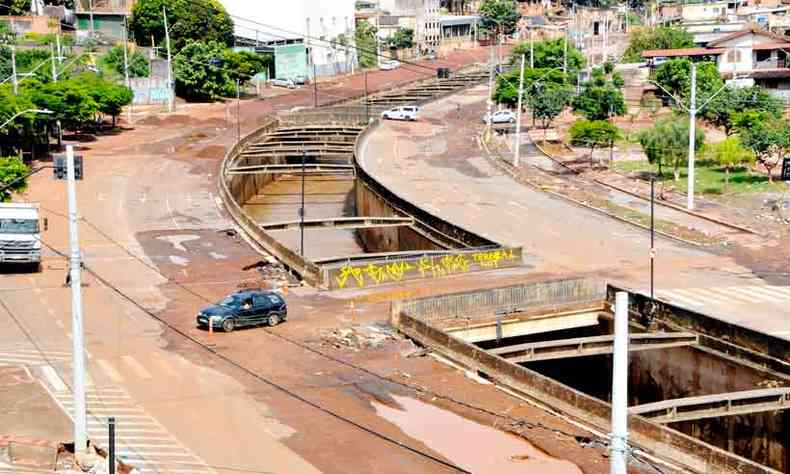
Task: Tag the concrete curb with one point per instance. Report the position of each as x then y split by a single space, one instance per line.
507 168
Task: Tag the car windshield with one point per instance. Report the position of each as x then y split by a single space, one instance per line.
232 301
18 226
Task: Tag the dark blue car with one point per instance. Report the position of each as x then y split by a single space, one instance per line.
245 308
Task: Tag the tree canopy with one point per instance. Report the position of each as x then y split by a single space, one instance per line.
666 143
769 139
594 134
601 97
189 20
733 102
550 54
403 38
367 44
506 91
12 169
730 154
642 39
675 76
199 74
138 63
499 16
548 102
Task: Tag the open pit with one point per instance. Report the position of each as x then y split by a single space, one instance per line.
705 395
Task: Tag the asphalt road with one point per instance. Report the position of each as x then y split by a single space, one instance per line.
438 163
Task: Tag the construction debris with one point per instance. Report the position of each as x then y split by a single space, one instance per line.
357 338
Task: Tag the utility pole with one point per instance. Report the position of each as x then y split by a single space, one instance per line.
315 88
565 52
517 156
111 439
54 65
619 443
604 40
90 12
170 90
490 91
652 235
692 136
301 209
14 79
126 64
57 40
238 110
78 349
531 49
367 104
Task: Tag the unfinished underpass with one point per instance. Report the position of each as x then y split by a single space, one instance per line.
354 232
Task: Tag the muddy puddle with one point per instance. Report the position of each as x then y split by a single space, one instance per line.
470 445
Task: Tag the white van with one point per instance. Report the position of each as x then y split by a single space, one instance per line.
406 112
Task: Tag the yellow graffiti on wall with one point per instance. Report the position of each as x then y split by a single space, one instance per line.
372 274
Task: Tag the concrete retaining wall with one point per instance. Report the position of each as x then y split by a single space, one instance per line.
660 440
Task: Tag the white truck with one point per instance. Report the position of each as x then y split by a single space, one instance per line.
20 234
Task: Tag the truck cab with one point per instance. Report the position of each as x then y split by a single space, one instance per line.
20 234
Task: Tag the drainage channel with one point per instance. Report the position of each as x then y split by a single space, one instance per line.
694 397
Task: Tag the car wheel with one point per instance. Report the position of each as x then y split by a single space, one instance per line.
274 319
228 325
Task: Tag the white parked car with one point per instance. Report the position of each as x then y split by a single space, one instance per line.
389 65
406 112
502 116
289 83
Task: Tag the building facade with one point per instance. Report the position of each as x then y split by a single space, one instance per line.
326 29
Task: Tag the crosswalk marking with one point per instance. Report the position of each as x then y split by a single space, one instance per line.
109 370
142 441
726 296
136 367
28 356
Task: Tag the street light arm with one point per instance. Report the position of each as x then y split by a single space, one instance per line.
23 113
677 101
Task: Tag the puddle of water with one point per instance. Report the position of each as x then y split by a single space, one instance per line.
475 447
175 259
179 240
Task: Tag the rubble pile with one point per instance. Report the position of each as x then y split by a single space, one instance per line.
94 461
357 338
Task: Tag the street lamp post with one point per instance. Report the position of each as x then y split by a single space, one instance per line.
28 111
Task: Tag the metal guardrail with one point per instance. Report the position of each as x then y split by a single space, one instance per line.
509 298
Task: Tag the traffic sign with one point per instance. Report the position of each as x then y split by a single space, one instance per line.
786 169
60 167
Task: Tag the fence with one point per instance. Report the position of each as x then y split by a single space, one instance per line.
511 298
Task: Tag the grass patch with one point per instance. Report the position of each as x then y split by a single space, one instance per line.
710 178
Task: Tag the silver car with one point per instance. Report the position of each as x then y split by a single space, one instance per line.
502 116
288 83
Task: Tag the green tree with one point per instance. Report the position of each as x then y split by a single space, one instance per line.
666 143
548 102
499 16
729 154
110 97
199 74
366 36
642 39
15 7
600 99
189 20
675 76
403 38
70 101
549 54
244 65
506 89
594 134
12 169
21 130
769 139
731 101
138 63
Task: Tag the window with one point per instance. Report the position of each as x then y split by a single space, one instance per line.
761 56
734 56
274 299
258 301
18 226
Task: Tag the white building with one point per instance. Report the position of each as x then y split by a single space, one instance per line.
427 31
326 28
